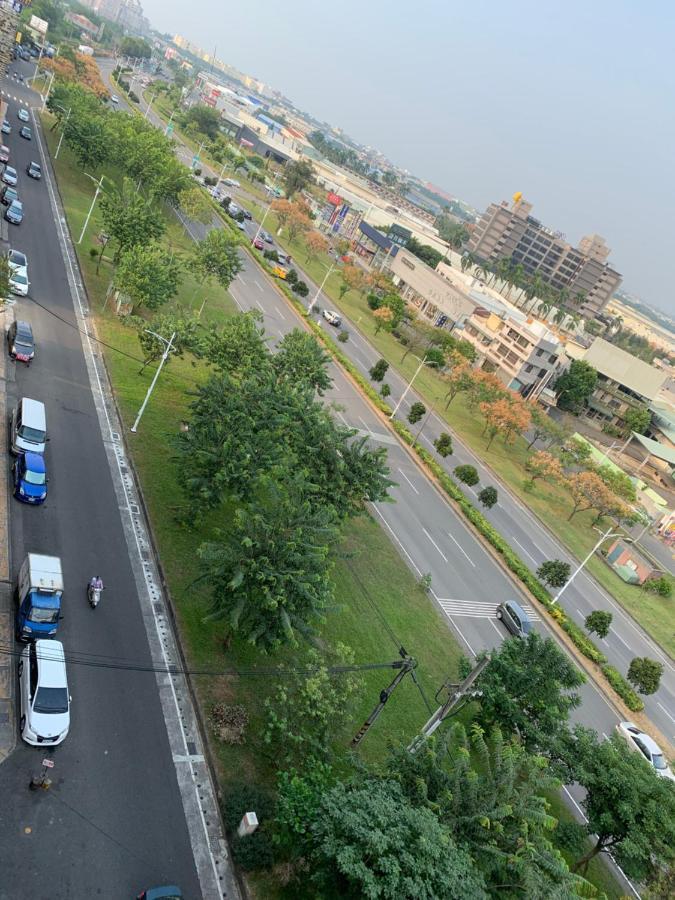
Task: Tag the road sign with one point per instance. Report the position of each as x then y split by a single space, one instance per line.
169 129
48 763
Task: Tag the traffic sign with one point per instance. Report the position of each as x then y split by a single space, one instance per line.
48 763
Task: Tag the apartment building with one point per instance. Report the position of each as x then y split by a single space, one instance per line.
509 231
523 353
9 23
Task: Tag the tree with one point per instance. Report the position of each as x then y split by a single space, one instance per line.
297 175
467 474
598 622
544 428
298 221
554 572
427 254
137 48
458 379
205 119
384 317
379 370
316 245
85 134
488 497
148 275
508 415
576 385
544 465
630 810
239 348
5 272
618 482
396 305
217 257
367 840
195 205
269 573
129 219
417 411
443 444
353 279
662 586
529 688
575 452
188 337
484 387
307 708
300 358
589 491
645 674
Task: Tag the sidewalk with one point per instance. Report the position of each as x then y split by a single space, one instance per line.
7 715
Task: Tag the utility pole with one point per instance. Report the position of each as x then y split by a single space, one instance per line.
167 349
99 188
321 286
407 664
457 691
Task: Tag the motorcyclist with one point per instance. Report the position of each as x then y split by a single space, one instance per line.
96 584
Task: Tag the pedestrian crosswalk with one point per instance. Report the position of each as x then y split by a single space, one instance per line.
476 609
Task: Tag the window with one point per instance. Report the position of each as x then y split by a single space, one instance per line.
529 368
540 352
552 358
542 372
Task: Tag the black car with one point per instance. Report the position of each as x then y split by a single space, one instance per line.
20 341
247 215
34 170
26 133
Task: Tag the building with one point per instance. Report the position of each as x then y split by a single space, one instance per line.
9 23
629 564
83 23
624 382
509 231
436 299
523 353
126 13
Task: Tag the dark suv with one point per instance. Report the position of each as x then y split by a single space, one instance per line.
20 341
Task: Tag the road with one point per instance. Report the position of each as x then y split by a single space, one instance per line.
126 810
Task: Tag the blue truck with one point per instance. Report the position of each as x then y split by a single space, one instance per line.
39 593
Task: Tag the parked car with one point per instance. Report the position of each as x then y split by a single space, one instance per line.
231 182
240 225
8 195
647 746
515 618
279 272
20 341
45 702
283 258
233 210
267 237
23 115
247 215
4 153
9 176
17 259
258 243
34 170
114 98
26 133
168 892
28 427
30 478
6 127
332 317
18 281
14 212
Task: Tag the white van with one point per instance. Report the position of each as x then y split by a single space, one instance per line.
28 426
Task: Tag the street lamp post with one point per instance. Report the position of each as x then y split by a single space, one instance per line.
410 384
318 293
269 207
63 127
608 534
46 96
167 349
99 188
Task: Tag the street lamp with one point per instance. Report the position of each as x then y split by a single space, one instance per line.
269 207
63 127
46 96
168 124
316 296
608 534
99 188
167 349
410 384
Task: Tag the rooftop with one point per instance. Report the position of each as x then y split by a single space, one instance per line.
614 363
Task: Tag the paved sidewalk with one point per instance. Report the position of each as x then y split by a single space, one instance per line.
7 716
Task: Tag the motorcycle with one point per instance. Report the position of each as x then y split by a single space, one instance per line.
94 595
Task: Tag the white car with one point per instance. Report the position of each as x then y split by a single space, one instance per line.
332 317
45 702
9 176
231 182
18 281
647 746
114 98
17 259
23 115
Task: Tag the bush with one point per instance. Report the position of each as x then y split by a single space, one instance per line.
385 390
93 252
133 97
417 410
488 497
443 444
211 181
255 851
291 275
301 288
623 689
663 586
468 474
373 301
242 797
343 337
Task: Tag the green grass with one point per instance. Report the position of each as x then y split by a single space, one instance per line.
551 503
369 575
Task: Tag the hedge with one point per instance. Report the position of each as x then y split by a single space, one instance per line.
623 689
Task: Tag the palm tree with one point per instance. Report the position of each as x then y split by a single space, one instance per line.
579 298
467 261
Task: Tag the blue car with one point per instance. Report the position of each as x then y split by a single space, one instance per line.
30 478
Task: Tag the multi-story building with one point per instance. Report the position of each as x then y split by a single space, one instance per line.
525 354
509 231
8 27
435 298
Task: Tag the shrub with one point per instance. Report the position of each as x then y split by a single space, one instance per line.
301 288
379 370
210 180
662 586
417 410
385 390
467 474
443 444
93 252
242 797
488 497
254 851
623 689
343 337
373 301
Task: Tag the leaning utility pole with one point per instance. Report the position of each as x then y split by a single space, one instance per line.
457 691
406 664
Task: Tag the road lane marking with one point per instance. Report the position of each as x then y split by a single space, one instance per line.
616 634
479 609
409 481
494 625
396 538
461 549
258 285
241 279
665 711
527 553
260 305
434 543
365 424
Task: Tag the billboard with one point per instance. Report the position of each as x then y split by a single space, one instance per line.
38 25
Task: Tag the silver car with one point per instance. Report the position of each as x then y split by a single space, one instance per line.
9 176
647 746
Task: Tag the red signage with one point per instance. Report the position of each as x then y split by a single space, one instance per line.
334 199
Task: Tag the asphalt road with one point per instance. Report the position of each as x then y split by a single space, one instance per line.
114 822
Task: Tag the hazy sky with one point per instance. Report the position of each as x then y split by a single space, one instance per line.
572 104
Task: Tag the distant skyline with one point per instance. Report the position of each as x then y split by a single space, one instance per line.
572 105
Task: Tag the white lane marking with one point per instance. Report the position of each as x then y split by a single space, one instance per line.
241 279
364 423
409 481
616 634
494 625
605 736
526 552
479 609
665 711
344 420
429 442
258 285
578 808
434 543
396 538
260 305
461 549
234 297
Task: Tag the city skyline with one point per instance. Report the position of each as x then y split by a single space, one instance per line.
565 104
